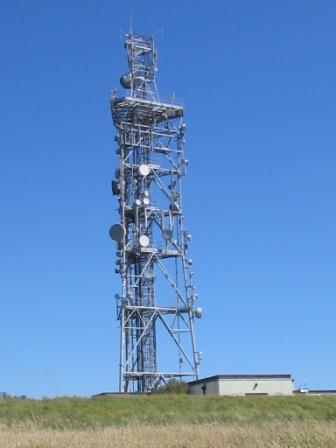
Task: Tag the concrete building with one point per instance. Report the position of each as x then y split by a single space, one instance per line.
243 385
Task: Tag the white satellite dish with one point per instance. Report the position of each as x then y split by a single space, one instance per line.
198 313
144 170
117 232
149 273
144 241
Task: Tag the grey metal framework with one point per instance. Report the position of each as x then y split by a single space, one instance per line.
157 296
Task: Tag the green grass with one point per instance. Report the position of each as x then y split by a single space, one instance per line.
81 413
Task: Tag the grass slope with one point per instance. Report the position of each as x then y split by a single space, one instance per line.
81 413
207 435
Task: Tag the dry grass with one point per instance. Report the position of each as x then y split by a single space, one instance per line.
169 422
314 435
82 413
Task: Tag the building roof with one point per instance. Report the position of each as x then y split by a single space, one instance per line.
243 377
119 394
315 391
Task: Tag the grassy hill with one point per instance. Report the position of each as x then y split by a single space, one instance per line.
80 413
169 421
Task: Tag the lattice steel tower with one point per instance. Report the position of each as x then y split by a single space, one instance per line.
157 300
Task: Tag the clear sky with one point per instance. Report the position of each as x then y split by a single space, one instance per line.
258 83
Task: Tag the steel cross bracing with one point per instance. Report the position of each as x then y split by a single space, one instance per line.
157 293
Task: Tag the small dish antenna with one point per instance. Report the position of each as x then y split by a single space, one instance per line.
144 241
198 313
144 170
117 232
126 81
149 273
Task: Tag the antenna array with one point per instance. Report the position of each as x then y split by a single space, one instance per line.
157 296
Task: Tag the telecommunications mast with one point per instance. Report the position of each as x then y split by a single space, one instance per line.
156 306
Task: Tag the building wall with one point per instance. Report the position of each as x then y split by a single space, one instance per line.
235 386
211 388
255 386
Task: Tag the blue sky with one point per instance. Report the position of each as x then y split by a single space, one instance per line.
258 83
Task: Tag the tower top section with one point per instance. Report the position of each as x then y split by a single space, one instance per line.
141 103
142 58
